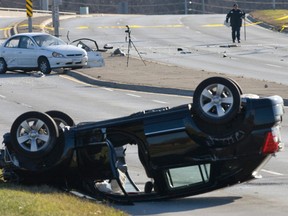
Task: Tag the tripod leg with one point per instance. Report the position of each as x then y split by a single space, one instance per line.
137 52
128 53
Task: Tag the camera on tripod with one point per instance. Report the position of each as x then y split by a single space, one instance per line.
130 43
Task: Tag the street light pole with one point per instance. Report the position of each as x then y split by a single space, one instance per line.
203 6
55 16
186 7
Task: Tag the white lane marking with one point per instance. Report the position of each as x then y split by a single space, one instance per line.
157 101
26 105
84 83
22 104
271 65
272 172
108 89
133 95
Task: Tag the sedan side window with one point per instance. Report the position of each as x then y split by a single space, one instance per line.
13 43
26 43
30 44
188 176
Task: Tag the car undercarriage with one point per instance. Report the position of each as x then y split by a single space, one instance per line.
222 138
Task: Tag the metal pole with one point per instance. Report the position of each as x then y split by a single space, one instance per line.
186 7
273 4
30 24
203 6
29 13
55 17
44 5
244 28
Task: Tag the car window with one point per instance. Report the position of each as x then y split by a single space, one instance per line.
25 42
47 40
187 176
30 43
13 42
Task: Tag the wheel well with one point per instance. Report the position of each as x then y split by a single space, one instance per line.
4 66
42 57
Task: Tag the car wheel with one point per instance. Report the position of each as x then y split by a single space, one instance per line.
3 66
44 65
61 119
216 100
33 134
237 85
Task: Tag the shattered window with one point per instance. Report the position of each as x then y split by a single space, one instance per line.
186 176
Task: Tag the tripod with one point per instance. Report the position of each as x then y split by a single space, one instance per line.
128 32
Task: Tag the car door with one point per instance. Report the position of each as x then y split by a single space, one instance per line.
9 52
27 53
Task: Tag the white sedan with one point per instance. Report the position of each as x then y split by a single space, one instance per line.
39 51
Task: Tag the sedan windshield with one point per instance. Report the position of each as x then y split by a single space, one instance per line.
47 40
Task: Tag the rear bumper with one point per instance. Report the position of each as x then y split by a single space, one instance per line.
266 111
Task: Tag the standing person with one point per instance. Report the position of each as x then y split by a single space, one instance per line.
235 15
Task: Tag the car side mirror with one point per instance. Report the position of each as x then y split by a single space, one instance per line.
108 46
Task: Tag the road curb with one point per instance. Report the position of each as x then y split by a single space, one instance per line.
144 88
266 25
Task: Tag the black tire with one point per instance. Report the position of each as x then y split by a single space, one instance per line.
237 84
216 100
148 187
3 66
33 135
61 119
44 65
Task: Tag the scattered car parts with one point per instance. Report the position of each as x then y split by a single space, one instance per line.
95 58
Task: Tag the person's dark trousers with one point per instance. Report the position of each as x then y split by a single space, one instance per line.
235 33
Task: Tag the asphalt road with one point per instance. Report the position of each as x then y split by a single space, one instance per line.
204 42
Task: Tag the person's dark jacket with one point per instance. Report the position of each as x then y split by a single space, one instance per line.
235 17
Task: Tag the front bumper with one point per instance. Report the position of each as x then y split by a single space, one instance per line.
68 62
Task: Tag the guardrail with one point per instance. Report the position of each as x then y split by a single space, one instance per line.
34 11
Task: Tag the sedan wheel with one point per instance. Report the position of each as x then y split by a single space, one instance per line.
3 66
33 134
44 65
216 100
237 85
61 119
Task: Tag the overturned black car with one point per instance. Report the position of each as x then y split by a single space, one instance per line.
222 138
